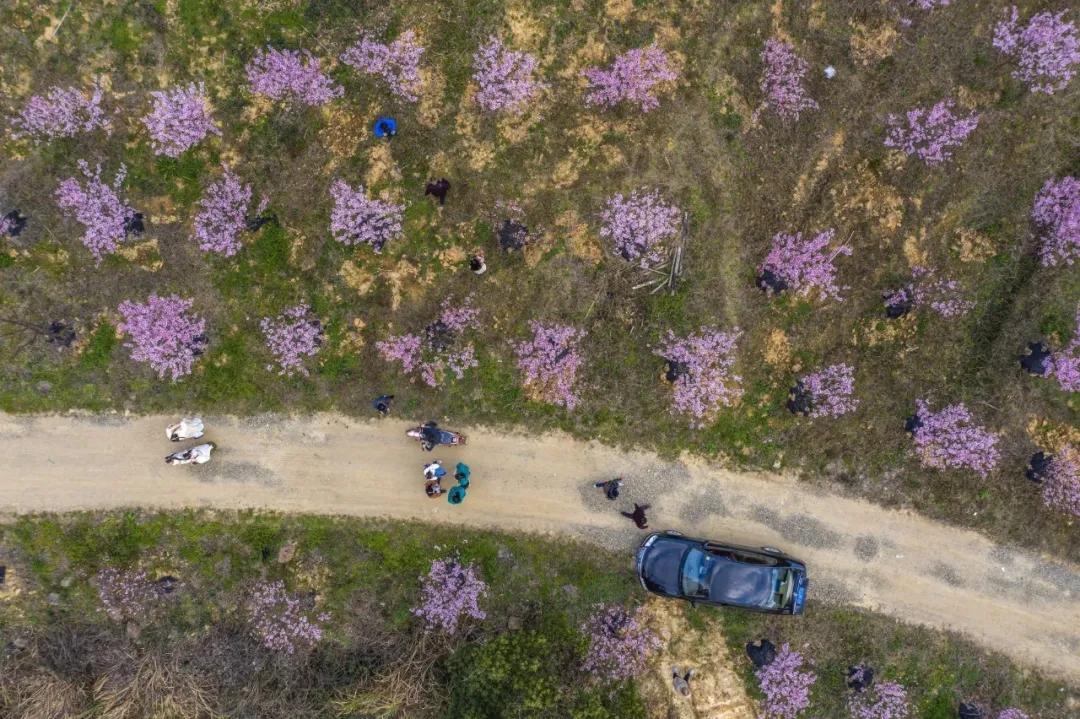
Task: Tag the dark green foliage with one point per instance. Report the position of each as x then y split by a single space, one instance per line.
100 348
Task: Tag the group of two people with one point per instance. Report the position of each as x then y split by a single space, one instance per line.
433 475
188 428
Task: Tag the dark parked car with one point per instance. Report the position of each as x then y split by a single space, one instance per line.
763 580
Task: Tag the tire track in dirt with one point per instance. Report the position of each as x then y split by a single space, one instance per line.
891 561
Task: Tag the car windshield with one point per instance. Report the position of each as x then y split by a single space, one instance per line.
697 568
726 580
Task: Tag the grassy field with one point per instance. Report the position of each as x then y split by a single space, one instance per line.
741 180
200 659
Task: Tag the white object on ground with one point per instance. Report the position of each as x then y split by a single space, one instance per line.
200 454
187 428
830 72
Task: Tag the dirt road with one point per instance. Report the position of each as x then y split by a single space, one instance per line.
895 562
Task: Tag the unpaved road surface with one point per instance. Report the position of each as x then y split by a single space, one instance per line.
894 562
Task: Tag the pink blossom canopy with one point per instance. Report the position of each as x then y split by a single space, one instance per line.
291 75
162 333
632 78
98 207
180 119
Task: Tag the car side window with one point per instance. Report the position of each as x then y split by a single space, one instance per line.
747 558
722 553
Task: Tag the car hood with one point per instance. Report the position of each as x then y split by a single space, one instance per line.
660 565
734 583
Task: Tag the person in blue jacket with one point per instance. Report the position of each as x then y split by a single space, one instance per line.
385 126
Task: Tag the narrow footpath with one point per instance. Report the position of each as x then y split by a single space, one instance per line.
894 562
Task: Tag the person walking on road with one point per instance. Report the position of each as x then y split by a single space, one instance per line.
611 487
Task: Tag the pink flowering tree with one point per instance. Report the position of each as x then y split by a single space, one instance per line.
803 266
704 377
449 592
1064 364
619 642
397 63
61 112
942 296
950 438
504 78
180 119
883 700
98 208
1056 216
783 81
639 225
438 349
162 333
829 392
358 220
549 363
1046 50
125 594
292 336
930 134
929 4
290 75
1061 481
281 621
1012 713
632 78
785 685
222 215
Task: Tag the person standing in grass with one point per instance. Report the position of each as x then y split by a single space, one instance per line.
382 404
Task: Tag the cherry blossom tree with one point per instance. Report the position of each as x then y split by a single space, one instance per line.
449 592
1056 216
704 378
125 594
292 336
1064 364
1012 713
290 75
357 220
61 112
785 685
619 642
180 119
98 207
949 438
782 81
438 349
1046 50
222 215
549 363
639 225
930 134
802 266
280 620
829 392
504 78
943 296
883 700
1061 481
632 78
397 63
162 333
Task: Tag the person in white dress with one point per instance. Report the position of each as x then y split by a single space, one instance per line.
187 428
